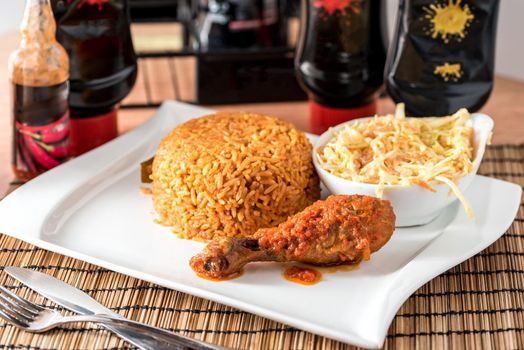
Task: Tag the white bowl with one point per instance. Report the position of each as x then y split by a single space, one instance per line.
413 205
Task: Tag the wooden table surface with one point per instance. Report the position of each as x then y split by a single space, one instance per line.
506 107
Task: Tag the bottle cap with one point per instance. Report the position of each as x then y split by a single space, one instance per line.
91 132
323 117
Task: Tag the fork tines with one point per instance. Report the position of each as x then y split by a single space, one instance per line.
16 310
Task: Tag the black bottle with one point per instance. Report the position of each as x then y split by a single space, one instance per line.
226 24
443 55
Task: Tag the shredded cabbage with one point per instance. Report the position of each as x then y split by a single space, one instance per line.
395 150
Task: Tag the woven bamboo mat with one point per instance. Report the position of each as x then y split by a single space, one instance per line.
477 304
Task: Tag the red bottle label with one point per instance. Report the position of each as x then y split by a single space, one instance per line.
99 3
41 129
93 131
331 6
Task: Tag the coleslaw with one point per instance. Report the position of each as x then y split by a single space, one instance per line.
395 150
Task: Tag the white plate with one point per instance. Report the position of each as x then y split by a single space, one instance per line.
91 209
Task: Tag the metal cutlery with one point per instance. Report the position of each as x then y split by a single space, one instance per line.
35 318
141 335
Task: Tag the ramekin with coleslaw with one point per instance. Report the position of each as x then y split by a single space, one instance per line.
393 152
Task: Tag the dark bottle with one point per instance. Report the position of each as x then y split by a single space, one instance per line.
226 24
39 71
103 68
340 58
442 57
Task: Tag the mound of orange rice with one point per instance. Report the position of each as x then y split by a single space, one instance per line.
231 173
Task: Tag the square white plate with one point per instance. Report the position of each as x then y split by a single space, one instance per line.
92 209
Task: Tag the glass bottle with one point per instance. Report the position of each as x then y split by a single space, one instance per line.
443 55
39 71
227 24
340 58
97 37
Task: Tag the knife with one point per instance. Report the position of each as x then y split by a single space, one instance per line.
76 300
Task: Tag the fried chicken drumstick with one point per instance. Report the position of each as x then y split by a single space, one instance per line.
342 229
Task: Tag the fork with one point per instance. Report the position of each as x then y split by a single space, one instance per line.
31 317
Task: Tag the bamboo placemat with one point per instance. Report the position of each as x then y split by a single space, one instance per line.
477 304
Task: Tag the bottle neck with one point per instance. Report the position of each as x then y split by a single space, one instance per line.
38 24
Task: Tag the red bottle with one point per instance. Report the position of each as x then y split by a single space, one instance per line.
340 59
97 37
39 71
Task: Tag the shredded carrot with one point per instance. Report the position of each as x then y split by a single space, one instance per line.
425 185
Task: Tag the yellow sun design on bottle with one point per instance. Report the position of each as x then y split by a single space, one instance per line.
448 20
448 71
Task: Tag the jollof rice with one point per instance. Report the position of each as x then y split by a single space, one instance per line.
231 173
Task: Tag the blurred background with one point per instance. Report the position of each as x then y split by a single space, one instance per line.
509 54
251 70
